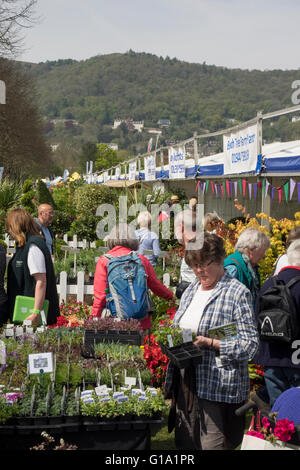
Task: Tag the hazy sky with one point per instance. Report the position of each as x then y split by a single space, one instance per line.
248 34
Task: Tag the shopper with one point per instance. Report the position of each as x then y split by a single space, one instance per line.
122 241
207 395
250 249
30 271
147 240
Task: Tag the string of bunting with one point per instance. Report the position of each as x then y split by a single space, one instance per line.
233 189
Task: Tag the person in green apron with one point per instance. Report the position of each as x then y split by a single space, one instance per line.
30 271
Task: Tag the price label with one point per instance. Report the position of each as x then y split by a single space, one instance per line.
131 381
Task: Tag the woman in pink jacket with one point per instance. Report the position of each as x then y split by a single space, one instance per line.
120 246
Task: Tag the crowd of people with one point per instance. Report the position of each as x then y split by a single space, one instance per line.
214 291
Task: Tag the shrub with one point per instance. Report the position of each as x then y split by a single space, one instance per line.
87 198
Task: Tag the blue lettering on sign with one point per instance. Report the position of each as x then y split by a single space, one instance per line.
230 144
236 157
251 138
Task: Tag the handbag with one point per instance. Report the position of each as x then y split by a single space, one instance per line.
181 288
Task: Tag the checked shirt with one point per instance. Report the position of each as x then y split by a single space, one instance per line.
230 302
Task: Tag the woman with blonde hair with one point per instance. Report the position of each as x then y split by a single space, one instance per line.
30 271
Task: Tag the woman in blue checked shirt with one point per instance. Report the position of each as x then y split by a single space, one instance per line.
206 396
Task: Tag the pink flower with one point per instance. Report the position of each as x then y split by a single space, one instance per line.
260 435
284 429
266 423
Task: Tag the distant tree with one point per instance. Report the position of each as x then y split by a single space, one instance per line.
89 153
106 157
43 194
23 149
15 15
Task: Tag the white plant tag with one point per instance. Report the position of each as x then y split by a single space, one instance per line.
43 317
2 353
27 322
9 332
187 336
131 381
19 330
101 389
170 341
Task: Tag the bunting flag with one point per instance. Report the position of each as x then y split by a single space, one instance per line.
292 187
216 190
264 187
212 186
198 184
286 190
223 189
279 194
244 187
250 190
203 188
240 186
206 186
255 186
272 193
228 188
235 189
298 189
231 188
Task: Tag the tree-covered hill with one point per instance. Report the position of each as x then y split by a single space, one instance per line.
141 86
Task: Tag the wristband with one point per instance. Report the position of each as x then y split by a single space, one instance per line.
36 311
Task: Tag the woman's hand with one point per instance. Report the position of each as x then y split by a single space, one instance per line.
202 342
34 318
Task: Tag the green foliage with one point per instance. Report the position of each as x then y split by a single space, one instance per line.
84 226
43 194
27 197
61 223
88 197
106 157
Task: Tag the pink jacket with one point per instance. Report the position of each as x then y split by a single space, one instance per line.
100 283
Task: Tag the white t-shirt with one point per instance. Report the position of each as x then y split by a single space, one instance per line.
36 260
192 315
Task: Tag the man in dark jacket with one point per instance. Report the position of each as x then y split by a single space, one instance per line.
282 361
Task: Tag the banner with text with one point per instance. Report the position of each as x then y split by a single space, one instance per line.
240 151
150 168
132 171
177 163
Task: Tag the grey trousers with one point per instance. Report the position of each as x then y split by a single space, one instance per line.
208 426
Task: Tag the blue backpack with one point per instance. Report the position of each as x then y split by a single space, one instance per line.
127 295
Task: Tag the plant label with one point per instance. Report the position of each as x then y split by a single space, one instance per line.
101 389
131 381
43 317
9 332
19 331
170 341
2 353
40 361
187 336
27 322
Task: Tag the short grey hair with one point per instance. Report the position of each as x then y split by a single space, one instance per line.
293 253
252 239
144 219
123 235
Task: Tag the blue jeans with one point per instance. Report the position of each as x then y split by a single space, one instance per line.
279 379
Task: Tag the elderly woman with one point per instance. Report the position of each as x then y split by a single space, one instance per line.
148 240
207 395
250 249
30 271
122 241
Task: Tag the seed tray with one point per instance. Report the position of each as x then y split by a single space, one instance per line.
183 355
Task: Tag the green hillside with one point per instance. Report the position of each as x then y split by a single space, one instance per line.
194 97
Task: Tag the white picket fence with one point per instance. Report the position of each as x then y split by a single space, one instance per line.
72 243
80 289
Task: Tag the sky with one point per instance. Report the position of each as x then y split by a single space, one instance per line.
246 34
